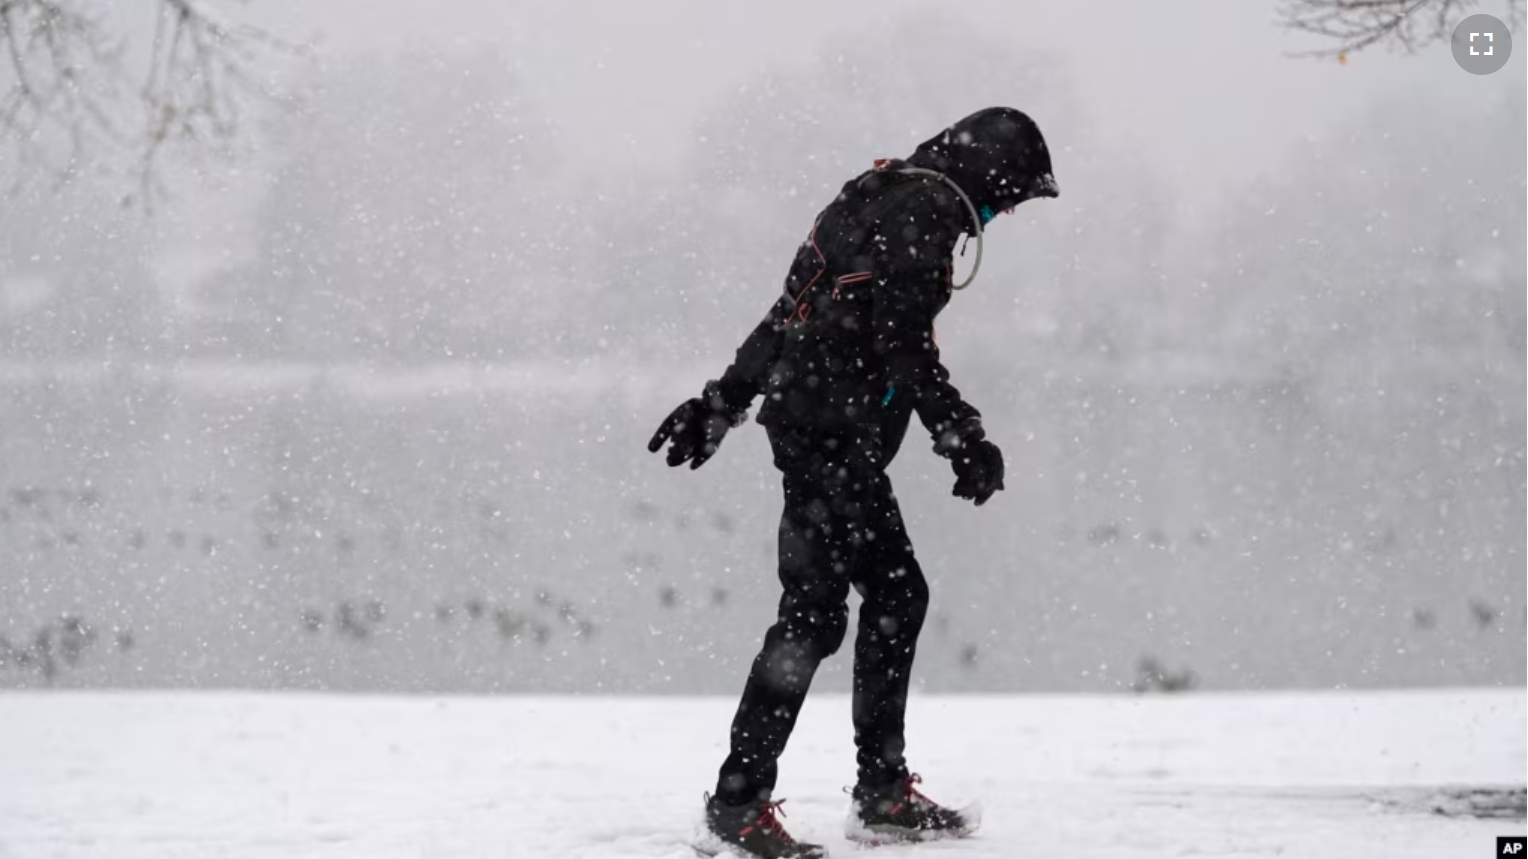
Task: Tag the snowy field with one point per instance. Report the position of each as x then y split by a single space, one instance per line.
230 775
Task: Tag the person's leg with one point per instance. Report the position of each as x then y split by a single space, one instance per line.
820 531
890 618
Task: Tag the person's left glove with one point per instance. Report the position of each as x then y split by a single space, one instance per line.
695 429
978 471
978 464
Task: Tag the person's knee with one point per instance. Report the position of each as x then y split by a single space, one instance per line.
899 604
917 596
823 628
800 641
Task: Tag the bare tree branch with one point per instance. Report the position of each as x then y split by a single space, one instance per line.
1353 25
72 101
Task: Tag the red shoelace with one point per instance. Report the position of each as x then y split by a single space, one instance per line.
911 793
768 822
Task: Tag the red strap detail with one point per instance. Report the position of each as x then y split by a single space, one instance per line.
802 309
852 277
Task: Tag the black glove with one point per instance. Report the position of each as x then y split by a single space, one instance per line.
695 430
977 462
978 471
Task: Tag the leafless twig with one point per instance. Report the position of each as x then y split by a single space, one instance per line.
1353 25
73 87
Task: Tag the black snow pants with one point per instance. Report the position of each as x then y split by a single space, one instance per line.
841 527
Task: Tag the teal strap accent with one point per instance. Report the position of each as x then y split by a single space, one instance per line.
891 391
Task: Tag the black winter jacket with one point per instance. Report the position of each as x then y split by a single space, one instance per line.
850 344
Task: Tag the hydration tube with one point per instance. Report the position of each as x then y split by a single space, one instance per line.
975 218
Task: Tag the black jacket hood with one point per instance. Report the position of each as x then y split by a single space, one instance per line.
997 156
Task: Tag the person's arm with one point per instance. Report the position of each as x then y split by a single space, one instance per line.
910 291
695 429
748 375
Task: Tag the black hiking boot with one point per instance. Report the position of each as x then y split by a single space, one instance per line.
898 812
753 830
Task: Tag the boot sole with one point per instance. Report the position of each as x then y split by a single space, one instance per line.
880 835
711 847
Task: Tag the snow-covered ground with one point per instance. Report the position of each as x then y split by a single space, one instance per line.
283 776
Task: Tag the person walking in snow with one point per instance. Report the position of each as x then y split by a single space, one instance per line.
843 359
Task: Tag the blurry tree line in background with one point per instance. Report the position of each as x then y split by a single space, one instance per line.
417 211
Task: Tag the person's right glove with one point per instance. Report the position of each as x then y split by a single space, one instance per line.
978 463
695 429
